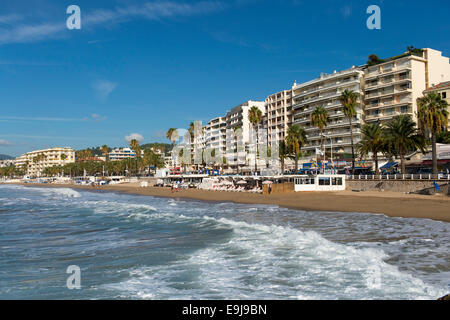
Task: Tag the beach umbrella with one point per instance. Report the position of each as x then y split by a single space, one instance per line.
242 182
267 182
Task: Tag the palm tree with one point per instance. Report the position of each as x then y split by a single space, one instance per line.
349 101
105 151
134 145
236 150
255 117
402 136
295 140
172 135
283 153
433 115
372 142
320 119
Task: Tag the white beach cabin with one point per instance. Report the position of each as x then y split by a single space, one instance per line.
322 182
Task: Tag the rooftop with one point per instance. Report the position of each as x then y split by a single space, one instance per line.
442 85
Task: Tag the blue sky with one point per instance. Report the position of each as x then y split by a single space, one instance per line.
144 66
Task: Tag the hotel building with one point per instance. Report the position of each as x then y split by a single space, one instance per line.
392 87
236 119
325 91
36 161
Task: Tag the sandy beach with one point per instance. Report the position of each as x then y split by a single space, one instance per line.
392 204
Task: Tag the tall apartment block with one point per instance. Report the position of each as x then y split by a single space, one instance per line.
392 87
216 135
325 91
238 118
278 115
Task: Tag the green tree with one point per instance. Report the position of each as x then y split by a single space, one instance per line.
295 140
349 101
433 116
401 136
372 142
105 151
320 119
172 135
134 145
255 117
283 154
443 137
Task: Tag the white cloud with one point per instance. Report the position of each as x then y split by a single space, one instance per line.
98 117
30 33
103 88
13 32
135 136
8 119
10 18
4 143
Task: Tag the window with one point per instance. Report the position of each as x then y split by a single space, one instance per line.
337 181
404 109
444 95
324 181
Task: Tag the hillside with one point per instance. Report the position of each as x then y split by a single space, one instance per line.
5 157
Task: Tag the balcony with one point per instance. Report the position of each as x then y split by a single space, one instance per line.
399 66
327 86
383 105
382 116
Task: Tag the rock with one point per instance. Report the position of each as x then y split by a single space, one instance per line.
447 297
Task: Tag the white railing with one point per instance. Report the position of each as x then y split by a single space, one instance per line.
399 177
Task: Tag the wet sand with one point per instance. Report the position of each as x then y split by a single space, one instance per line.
392 204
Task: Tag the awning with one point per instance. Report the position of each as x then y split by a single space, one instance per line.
389 165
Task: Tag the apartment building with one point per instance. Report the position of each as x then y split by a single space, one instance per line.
36 161
278 115
216 135
443 89
392 87
6 163
121 154
325 91
237 118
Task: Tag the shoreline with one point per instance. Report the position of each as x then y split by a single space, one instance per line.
391 204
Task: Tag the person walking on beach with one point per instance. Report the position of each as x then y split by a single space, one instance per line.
270 188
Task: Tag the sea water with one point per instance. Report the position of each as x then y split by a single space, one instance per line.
135 247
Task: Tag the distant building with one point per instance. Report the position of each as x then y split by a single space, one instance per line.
278 115
216 135
35 162
121 154
6 163
236 119
93 158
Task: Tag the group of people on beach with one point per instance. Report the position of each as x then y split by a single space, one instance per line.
174 187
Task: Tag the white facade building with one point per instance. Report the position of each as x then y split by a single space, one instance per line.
35 162
240 152
216 138
392 87
121 154
326 91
